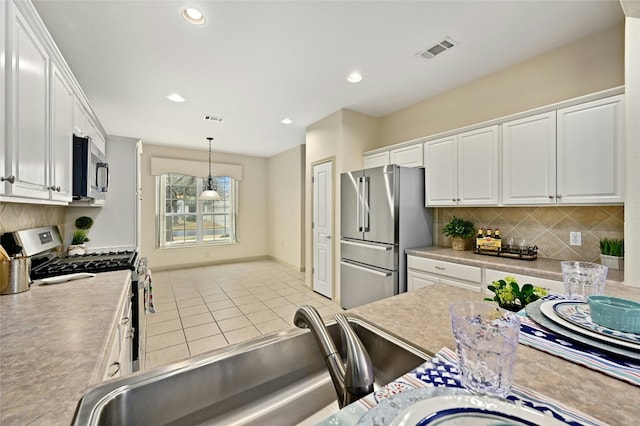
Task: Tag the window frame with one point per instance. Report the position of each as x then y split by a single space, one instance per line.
200 213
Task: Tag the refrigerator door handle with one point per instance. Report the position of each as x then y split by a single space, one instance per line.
365 204
365 269
358 205
369 246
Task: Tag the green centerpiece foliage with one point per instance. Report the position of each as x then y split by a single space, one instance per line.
458 227
510 296
612 247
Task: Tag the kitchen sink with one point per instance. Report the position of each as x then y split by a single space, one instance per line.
280 378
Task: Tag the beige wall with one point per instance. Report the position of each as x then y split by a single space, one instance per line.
285 212
341 137
588 65
252 207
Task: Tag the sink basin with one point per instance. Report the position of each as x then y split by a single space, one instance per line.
279 378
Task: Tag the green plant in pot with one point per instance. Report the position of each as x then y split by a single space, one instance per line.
459 229
83 224
612 253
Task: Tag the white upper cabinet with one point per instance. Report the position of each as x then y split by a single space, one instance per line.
462 169
60 177
29 110
407 156
591 152
43 104
569 156
376 160
529 160
441 171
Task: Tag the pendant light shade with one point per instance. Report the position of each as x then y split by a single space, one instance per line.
210 193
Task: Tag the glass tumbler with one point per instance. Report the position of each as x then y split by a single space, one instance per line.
486 342
583 279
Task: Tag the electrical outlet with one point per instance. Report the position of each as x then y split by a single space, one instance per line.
575 238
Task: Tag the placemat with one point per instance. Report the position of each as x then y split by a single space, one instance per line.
425 381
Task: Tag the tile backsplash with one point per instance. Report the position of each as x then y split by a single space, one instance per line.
17 216
546 227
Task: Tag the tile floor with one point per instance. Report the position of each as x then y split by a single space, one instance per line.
206 308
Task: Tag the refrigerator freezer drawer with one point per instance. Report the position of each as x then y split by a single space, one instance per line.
384 256
362 284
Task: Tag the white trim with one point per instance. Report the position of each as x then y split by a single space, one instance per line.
160 166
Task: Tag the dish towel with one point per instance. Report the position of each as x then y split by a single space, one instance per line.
442 372
534 335
149 307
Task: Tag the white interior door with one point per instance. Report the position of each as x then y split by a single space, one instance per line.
322 229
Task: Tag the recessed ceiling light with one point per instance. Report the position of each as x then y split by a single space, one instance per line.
193 16
174 97
354 77
286 120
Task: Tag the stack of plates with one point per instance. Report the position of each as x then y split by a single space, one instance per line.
572 319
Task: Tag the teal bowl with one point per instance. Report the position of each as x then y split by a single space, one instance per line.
615 313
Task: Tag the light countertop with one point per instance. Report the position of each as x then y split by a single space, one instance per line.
541 268
422 317
53 341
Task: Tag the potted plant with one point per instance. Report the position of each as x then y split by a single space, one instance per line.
612 253
77 247
459 229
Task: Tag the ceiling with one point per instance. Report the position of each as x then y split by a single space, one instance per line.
256 62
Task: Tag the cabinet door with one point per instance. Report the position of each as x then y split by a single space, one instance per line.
29 138
529 160
441 174
478 167
3 62
407 156
79 118
417 280
376 160
61 137
590 152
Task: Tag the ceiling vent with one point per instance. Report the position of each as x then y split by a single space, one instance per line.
437 48
213 118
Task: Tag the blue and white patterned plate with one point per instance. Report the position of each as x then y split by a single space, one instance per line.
578 313
471 410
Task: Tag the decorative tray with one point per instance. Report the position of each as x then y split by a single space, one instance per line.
513 252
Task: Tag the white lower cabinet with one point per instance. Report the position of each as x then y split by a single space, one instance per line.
422 272
119 361
491 275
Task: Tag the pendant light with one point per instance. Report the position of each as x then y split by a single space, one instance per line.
210 193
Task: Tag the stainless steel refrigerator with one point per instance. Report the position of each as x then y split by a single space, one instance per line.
382 215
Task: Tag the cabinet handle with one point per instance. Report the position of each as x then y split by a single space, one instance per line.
453 199
53 188
558 196
10 179
458 199
551 197
111 372
441 268
124 321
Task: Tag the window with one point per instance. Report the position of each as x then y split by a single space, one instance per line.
183 220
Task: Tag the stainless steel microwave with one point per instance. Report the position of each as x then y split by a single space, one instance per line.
90 170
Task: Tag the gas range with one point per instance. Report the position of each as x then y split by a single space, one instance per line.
90 262
43 246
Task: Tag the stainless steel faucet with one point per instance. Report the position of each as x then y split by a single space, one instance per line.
352 381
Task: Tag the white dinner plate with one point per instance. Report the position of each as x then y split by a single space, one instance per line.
579 313
547 310
471 410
